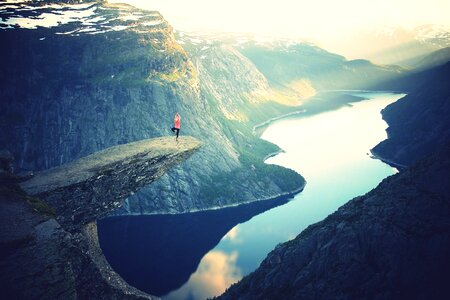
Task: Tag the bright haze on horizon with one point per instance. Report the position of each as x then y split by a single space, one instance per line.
333 25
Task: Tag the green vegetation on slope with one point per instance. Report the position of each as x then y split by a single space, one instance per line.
252 152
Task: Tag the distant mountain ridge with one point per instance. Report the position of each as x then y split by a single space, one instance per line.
293 66
403 46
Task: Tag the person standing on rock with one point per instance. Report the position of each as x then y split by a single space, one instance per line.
176 122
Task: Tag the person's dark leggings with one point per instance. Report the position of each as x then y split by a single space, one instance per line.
177 130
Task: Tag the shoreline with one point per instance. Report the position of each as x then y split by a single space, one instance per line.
269 121
290 194
303 110
360 91
398 166
274 154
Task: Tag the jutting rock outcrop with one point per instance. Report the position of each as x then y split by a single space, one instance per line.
91 187
49 245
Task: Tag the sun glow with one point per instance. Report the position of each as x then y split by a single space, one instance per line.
330 24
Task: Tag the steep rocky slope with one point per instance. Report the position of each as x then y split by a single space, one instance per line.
391 243
49 245
112 74
418 122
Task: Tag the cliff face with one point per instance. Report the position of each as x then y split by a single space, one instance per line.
49 246
391 243
418 122
114 75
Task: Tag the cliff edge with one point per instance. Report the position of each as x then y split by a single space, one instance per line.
48 239
91 187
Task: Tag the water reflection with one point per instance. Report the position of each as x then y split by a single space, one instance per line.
158 253
216 272
232 235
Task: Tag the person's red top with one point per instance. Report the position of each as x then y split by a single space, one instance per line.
177 121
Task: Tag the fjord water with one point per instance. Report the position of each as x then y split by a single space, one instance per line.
198 255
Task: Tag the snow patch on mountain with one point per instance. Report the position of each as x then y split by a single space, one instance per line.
86 18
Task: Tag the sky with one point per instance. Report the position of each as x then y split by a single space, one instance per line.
315 19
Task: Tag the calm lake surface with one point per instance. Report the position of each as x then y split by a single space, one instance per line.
199 255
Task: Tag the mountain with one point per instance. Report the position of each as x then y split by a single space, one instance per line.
403 46
391 243
90 76
418 122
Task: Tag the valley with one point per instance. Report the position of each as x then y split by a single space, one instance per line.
98 195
